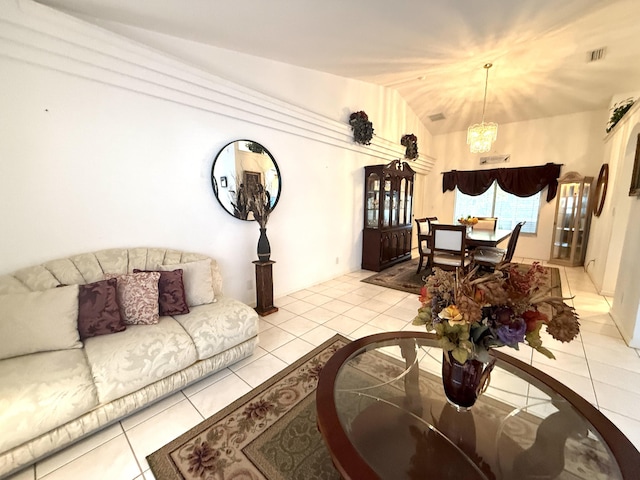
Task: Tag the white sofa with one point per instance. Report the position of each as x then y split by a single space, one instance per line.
51 398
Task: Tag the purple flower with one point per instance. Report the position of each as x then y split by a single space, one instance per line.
512 333
502 316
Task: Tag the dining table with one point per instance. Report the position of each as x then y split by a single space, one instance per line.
486 238
478 238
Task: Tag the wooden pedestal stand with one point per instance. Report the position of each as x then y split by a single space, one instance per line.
264 288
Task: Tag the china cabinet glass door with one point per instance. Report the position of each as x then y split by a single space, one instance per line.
386 221
582 230
572 220
373 201
401 205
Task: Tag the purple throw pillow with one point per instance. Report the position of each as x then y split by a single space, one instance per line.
98 309
172 298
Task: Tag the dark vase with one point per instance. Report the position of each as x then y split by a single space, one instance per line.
464 382
264 249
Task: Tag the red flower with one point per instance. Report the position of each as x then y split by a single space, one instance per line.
532 318
424 295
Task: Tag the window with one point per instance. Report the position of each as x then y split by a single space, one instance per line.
495 202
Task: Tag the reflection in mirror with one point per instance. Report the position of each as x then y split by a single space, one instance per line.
237 169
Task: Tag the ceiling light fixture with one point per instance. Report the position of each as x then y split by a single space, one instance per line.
481 135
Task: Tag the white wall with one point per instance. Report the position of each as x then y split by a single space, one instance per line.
572 140
617 231
107 143
320 92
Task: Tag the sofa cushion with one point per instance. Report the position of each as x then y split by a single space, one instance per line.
126 361
42 391
197 280
172 299
220 325
138 297
98 309
39 321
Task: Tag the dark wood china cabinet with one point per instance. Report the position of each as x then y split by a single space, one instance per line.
388 196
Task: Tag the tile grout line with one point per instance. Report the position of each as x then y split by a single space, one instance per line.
135 457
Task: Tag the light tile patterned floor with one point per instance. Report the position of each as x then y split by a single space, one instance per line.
598 365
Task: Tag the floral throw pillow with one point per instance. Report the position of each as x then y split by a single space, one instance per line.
172 297
138 297
98 309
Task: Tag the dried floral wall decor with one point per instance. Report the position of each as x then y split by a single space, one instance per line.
362 128
411 142
619 109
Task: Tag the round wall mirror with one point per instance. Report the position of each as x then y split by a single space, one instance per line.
237 169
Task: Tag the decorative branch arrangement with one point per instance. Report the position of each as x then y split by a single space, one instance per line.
259 202
362 128
255 199
238 200
411 142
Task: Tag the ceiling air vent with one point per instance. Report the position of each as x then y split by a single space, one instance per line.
495 159
437 117
595 55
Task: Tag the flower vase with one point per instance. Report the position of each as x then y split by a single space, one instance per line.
464 382
264 249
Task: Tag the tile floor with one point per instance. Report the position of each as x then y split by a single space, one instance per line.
598 365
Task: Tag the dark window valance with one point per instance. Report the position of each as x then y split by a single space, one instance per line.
520 181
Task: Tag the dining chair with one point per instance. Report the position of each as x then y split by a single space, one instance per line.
448 247
486 223
490 257
424 239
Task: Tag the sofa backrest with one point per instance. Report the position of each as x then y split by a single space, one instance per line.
91 267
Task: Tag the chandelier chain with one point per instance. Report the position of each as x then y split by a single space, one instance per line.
487 66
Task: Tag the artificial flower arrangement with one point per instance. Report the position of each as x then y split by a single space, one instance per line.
473 314
411 142
468 221
362 127
619 110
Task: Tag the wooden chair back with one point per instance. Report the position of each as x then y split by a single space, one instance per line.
423 226
513 240
448 249
486 223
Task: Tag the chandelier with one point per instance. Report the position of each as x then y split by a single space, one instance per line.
481 135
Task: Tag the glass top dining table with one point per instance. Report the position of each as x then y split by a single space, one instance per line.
383 414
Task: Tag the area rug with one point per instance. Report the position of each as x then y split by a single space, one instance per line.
271 432
403 277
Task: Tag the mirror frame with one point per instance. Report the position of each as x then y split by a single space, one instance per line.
216 188
601 190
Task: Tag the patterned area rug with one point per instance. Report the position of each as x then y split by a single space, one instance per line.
403 277
271 433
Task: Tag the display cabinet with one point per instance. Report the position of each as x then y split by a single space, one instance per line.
388 195
572 220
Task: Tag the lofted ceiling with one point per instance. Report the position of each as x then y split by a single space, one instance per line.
431 51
